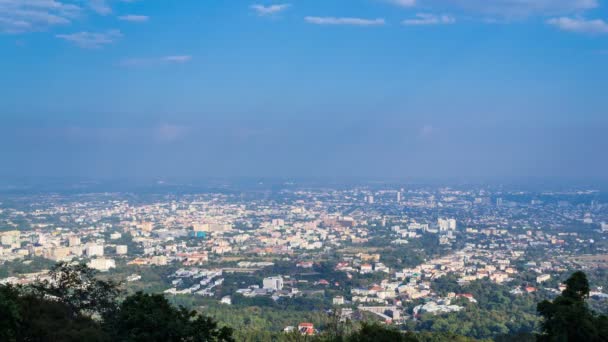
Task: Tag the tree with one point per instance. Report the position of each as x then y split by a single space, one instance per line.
150 317
77 286
379 333
25 316
568 317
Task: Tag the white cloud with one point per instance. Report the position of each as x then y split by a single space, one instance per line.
580 25
19 16
148 62
100 6
269 10
344 21
514 8
134 18
91 40
403 3
178 59
429 19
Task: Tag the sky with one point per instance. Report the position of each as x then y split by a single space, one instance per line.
400 89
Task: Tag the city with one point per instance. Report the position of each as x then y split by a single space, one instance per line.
402 256
303 171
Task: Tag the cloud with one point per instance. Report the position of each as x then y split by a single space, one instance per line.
344 21
92 40
148 62
514 8
169 133
269 10
20 16
134 18
178 59
403 3
100 6
429 19
579 25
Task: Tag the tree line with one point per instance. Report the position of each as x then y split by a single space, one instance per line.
75 305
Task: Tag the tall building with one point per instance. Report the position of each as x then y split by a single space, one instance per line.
398 196
446 224
94 250
370 199
73 241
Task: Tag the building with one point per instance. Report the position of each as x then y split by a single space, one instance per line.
273 283
102 264
94 250
542 278
446 224
338 300
306 329
73 241
121 249
11 238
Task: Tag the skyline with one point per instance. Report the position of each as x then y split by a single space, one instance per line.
371 88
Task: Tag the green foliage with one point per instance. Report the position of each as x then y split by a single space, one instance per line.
17 267
496 313
145 317
379 333
78 288
77 306
29 317
568 317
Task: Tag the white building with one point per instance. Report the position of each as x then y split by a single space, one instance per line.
73 241
446 224
94 250
102 264
338 300
542 278
273 283
121 249
11 238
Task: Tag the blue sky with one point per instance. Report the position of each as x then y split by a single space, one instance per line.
408 89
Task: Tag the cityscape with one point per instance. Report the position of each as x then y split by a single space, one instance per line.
303 171
405 256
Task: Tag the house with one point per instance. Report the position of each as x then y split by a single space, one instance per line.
366 268
306 329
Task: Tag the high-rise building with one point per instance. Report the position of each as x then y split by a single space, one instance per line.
73 241
446 224
370 199
398 196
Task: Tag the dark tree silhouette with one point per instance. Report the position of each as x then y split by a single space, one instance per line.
568 317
